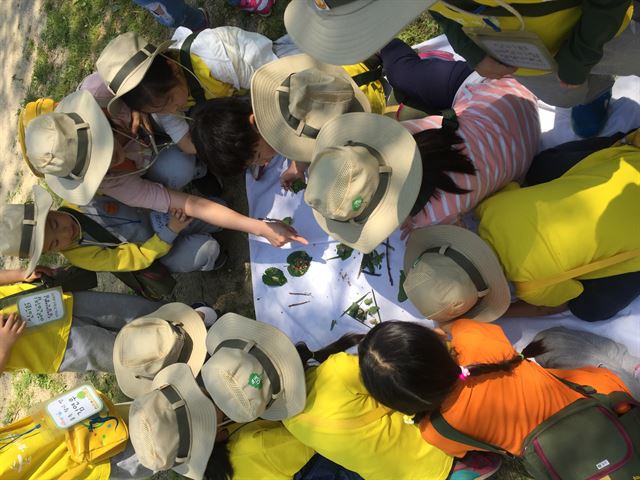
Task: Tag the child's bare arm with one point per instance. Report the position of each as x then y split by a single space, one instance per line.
524 309
7 277
277 233
11 327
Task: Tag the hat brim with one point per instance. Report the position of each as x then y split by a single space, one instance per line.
42 201
136 76
81 191
490 307
349 38
280 350
264 98
399 151
202 417
193 325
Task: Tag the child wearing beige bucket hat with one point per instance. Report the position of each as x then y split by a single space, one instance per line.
291 98
83 338
167 80
59 144
548 240
177 426
364 178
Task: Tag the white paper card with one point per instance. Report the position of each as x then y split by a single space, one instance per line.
519 54
42 306
74 406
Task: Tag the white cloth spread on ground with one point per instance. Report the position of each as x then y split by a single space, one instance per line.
335 284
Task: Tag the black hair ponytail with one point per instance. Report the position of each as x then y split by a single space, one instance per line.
441 152
219 466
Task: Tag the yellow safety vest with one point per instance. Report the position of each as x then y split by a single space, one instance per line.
39 349
552 29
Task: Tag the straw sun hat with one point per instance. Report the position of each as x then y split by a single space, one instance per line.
23 227
453 273
173 333
344 32
364 178
124 62
254 370
293 97
72 147
173 426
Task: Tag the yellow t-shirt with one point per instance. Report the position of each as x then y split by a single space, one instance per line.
39 349
587 214
345 424
264 449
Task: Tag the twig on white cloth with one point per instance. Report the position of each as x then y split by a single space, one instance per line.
375 302
303 294
299 303
387 246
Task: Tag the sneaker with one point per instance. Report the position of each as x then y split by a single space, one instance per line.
209 186
476 466
260 7
221 261
588 120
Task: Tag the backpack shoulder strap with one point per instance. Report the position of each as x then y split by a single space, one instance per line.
90 226
445 429
531 285
195 89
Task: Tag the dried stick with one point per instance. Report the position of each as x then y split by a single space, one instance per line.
300 303
303 294
387 248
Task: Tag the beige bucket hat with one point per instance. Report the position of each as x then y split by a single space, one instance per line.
22 227
72 147
364 178
124 62
254 370
344 32
173 426
452 273
174 333
293 97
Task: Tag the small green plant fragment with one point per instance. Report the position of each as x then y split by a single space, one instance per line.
299 263
402 295
373 310
298 185
273 277
333 324
342 252
371 262
368 301
288 220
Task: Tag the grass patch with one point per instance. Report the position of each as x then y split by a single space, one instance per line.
107 384
24 384
422 28
76 31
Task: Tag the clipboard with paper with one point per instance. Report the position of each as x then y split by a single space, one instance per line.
514 48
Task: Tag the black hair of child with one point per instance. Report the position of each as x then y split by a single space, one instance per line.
219 466
224 138
409 367
152 90
441 152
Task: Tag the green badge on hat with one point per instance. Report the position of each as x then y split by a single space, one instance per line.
255 381
357 203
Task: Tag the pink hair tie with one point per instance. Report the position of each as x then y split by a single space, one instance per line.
464 373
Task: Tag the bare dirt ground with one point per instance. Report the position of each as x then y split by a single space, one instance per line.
21 21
